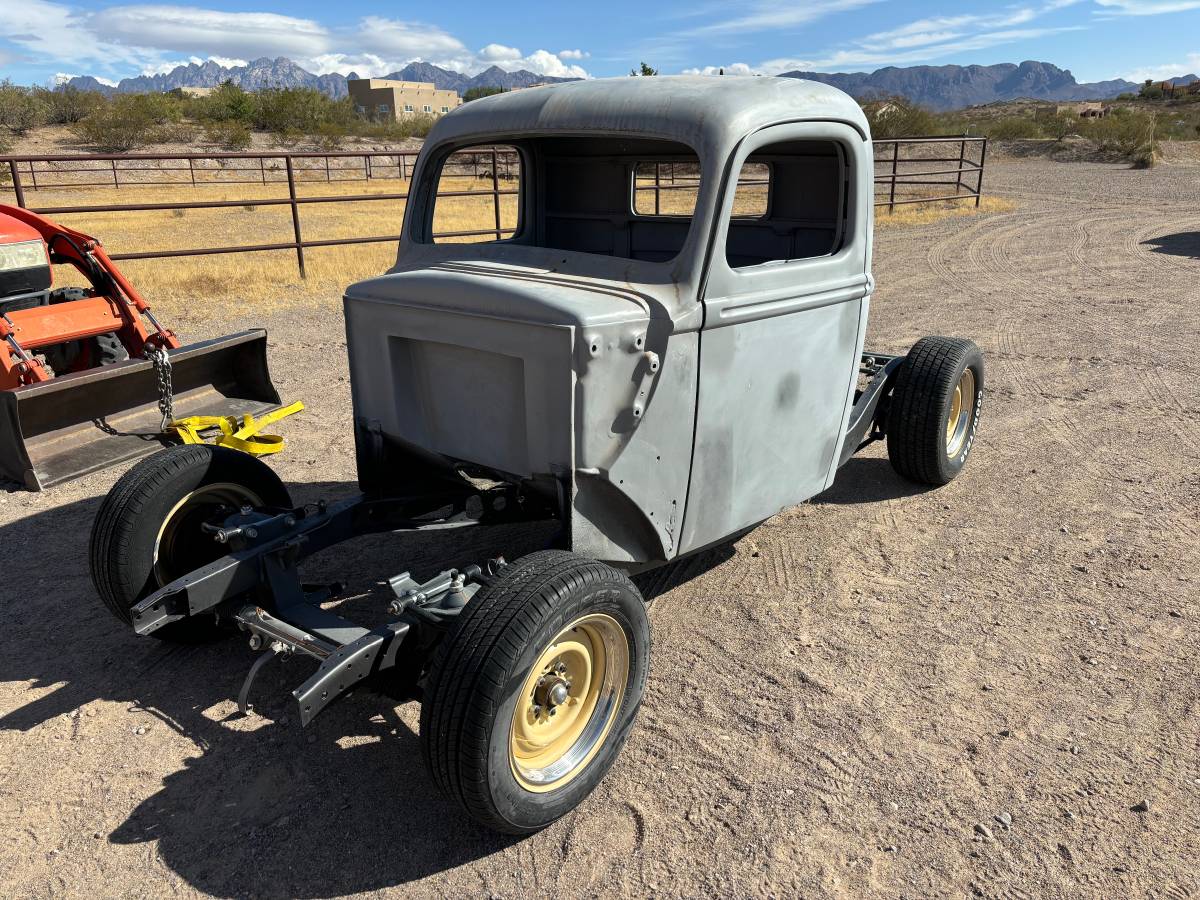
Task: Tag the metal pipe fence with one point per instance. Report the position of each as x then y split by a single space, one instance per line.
908 171
39 173
29 174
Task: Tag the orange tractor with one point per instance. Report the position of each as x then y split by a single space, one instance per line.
88 376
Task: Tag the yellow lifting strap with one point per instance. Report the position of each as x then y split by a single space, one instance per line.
237 434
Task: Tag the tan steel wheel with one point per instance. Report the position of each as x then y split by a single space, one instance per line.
568 702
962 410
181 546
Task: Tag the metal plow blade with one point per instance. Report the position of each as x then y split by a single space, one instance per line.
69 426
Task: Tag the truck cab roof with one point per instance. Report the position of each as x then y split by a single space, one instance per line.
709 114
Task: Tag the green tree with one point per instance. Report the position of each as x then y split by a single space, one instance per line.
643 71
476 93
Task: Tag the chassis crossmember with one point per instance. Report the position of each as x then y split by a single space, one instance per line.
257 586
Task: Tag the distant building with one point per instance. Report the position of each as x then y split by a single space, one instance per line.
380 98
192 91
1087 110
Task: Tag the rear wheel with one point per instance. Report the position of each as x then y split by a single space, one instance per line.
148 531
934 411
531 697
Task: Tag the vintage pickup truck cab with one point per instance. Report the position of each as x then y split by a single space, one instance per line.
657 342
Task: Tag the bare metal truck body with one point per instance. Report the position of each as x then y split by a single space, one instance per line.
676 400
647 368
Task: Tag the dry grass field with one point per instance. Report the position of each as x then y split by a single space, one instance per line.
253 282
263 280
986 690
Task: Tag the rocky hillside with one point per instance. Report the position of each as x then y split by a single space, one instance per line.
283 73
953 87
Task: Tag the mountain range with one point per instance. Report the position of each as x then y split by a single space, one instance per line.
283 73
938 87
953 87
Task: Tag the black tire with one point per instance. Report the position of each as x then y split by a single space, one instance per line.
142 537
480 671
922 401
102 350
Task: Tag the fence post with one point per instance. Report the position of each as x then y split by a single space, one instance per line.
291 178
328 180
116 182
18 189
367 166
496 192
979 183
895 163
33 174
262 169
958 176
192 170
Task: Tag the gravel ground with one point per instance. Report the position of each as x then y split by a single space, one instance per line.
989 689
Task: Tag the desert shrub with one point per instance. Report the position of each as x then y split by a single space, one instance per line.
1060 126
175 133
282 111
66 105
895 117
128 122
329 136
1011 128
1128 133
228 103
476 93
409 126
20 108
288 137
230 134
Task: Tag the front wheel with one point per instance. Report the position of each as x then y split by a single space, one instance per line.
530 699
149 529
934 410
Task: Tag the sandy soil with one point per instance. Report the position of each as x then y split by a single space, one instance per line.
851 701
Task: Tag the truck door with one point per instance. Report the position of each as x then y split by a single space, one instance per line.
785 309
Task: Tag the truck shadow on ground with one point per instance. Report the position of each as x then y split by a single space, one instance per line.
1183 243
868 479
261 807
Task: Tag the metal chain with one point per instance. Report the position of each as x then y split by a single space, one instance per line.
166 392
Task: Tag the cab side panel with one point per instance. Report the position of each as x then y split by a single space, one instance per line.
771 407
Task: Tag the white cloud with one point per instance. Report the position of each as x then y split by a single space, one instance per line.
732 69
52 31
922 40
151 38
188 29
1144 7
774 16
499 53
394 39
543 62
1167 70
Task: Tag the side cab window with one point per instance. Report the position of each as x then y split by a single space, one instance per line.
796 221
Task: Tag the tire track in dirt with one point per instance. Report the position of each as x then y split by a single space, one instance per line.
993 249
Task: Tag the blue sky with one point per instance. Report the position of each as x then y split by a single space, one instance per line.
1096 39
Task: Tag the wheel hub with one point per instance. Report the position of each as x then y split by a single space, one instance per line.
568 702
962 412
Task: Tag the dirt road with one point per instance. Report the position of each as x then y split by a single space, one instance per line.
851 701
